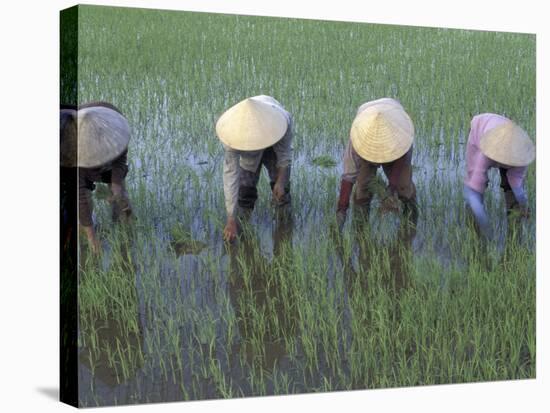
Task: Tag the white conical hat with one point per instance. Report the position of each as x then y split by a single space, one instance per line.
103 134
382 132
251 125
508 144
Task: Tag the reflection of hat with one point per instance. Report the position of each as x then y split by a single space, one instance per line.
508 144
103 134
251 125
382 132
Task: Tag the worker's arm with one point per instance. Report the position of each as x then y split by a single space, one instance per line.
475 201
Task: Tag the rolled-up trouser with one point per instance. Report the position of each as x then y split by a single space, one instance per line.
248 181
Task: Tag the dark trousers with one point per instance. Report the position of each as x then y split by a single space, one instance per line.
405 189
509 196
248 181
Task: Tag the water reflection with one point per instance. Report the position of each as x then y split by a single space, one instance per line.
264 304
375 287
112 344
389 262
114 353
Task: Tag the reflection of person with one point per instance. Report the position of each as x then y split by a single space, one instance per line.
94 138
256 287
110 336
381 135
103 336
256 131
496 142
398 253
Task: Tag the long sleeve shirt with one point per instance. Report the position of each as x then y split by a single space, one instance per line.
250 160
477 168
478 165
112 172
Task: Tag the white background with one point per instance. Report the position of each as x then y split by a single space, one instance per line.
29 200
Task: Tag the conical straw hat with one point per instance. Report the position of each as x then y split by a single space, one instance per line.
508 144
251 125
103 134
382 133
92 136
385 101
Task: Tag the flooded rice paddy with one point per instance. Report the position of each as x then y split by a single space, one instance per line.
293 307
170 312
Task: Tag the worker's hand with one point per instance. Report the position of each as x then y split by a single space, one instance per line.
121 209
96 246
519 212
230 230
116 189
525 212
283 181
340 219
390 204
278 191
93 241
120 202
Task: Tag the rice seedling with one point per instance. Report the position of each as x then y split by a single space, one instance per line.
325 161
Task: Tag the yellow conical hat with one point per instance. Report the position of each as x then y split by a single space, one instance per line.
382 132
381 101
508 144
251 125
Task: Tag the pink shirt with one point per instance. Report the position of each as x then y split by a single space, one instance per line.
477 164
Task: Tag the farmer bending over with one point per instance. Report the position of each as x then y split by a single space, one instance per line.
94 138
496 142
254 132
381 136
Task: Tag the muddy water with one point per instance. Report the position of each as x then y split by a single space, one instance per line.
214 284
